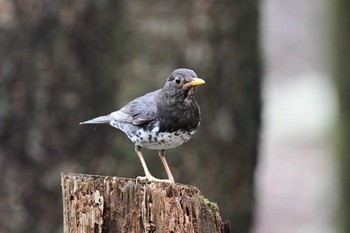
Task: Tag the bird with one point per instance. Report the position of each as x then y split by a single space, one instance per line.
160 120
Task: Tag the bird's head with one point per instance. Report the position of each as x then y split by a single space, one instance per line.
182 83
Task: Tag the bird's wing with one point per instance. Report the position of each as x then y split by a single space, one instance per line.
138 111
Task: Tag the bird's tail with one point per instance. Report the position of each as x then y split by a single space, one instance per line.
98 120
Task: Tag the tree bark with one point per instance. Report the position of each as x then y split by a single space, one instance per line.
113 204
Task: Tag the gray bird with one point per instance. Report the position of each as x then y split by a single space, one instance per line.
159 120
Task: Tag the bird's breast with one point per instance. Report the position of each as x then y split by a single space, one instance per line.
179 119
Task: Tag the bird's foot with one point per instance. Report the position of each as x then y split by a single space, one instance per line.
151 178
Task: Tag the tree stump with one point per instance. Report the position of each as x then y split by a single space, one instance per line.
112 204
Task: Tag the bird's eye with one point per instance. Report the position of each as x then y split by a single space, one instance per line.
177 80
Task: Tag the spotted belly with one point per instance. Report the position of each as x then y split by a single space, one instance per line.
161 140
153 139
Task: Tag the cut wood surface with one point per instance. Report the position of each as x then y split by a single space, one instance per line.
112 204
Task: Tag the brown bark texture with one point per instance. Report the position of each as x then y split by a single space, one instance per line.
113 204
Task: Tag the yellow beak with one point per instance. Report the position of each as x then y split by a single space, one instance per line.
195 82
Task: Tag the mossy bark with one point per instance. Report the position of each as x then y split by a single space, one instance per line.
113 204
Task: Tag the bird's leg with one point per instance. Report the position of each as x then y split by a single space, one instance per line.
145 168
148 176
165 164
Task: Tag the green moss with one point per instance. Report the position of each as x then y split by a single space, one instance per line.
211 205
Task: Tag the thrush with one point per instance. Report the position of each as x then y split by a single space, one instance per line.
160 120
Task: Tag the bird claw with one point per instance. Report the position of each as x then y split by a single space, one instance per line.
151 178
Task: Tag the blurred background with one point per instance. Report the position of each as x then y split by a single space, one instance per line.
297 187
267 147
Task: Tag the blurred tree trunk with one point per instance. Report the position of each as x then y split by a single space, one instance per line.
62 61
342 71
232 123
57 62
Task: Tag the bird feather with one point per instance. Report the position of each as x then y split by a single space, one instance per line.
136 113
98 120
